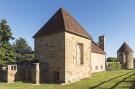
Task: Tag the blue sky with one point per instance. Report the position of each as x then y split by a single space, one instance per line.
113 18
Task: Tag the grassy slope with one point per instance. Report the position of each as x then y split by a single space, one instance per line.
123 79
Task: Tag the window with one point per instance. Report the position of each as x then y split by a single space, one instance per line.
122 57
96 67
101 67
56 76
45 67
46 44
52 56
13 67
80 54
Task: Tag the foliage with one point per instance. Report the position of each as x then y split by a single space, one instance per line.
21 44
24 57
112 66
6 49
6 53
2 55
112 59
5 32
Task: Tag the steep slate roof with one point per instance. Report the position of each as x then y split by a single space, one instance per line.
62 21
96 49
125 48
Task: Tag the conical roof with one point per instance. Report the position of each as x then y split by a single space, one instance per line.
125 48
62 21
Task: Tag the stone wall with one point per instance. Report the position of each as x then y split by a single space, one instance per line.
97 62
49 50
130 61
74 71
36 73
126 60
3 73
26 72
11 73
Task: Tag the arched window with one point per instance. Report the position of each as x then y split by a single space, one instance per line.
122 57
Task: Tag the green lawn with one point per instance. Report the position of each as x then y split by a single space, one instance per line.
122 79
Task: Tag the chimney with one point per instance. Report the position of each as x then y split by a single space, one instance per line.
101 41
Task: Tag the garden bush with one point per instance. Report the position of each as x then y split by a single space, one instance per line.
112 66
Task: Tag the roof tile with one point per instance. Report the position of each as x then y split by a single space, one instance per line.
96 49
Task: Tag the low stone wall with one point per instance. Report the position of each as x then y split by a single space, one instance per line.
3 73
27 72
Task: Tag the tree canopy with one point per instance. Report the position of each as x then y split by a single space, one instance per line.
112 59
5 32
6 49
22 45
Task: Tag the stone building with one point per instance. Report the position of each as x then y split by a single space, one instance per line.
125 56
66 50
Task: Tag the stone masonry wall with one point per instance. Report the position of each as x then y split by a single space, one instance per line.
3 73
11 73
130 61
75 71
49 50
25 72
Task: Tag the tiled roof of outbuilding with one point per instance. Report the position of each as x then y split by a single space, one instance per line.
62 21
96 49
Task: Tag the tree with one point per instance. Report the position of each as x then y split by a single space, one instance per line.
8 53
5 32
112 59
6 49
22 45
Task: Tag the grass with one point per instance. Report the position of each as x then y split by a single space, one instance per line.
122 79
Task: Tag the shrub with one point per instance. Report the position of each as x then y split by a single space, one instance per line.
111 66
112 59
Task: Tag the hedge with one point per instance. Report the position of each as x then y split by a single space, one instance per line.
111 66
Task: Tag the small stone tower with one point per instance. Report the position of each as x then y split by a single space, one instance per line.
125 56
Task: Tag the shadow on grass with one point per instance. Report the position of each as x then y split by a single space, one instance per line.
133 85
111 80
121 81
